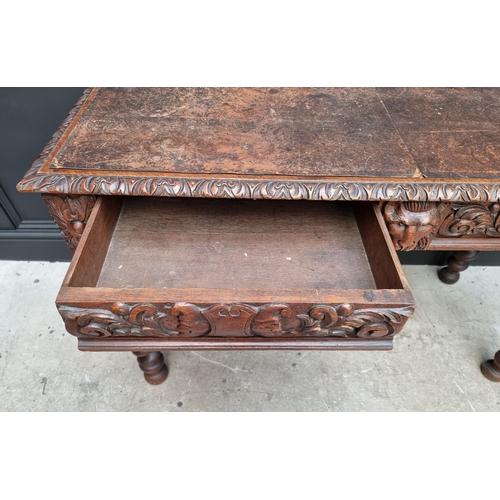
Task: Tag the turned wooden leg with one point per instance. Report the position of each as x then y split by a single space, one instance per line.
153 365
457 263
491 368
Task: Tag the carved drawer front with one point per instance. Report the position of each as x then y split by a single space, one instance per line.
174 273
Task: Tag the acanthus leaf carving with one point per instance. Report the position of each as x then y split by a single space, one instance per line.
71 214
378 323
472 220
228 320
140 320
355 190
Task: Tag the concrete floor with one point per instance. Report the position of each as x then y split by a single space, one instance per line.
434 365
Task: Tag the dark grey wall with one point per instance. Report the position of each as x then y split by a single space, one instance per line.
28 118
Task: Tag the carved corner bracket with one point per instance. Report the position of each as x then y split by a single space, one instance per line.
233 320
71 214
412 225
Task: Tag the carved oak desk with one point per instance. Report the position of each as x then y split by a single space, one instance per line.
262 218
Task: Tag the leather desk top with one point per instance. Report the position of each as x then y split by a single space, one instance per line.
284 143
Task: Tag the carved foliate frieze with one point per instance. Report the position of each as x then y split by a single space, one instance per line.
233 320
472 220
71 214
412 225
258 189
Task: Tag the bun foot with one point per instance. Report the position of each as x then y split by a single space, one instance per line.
457 263
153 365
491 368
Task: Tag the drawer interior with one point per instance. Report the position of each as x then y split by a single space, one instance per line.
229 244
206 244
205 273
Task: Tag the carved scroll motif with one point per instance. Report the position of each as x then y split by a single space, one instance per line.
140 320
70 213
413 224
472 220
269 320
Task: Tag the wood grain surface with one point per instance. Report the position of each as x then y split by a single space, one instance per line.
234 244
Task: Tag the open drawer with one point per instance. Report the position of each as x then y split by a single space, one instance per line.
178 273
